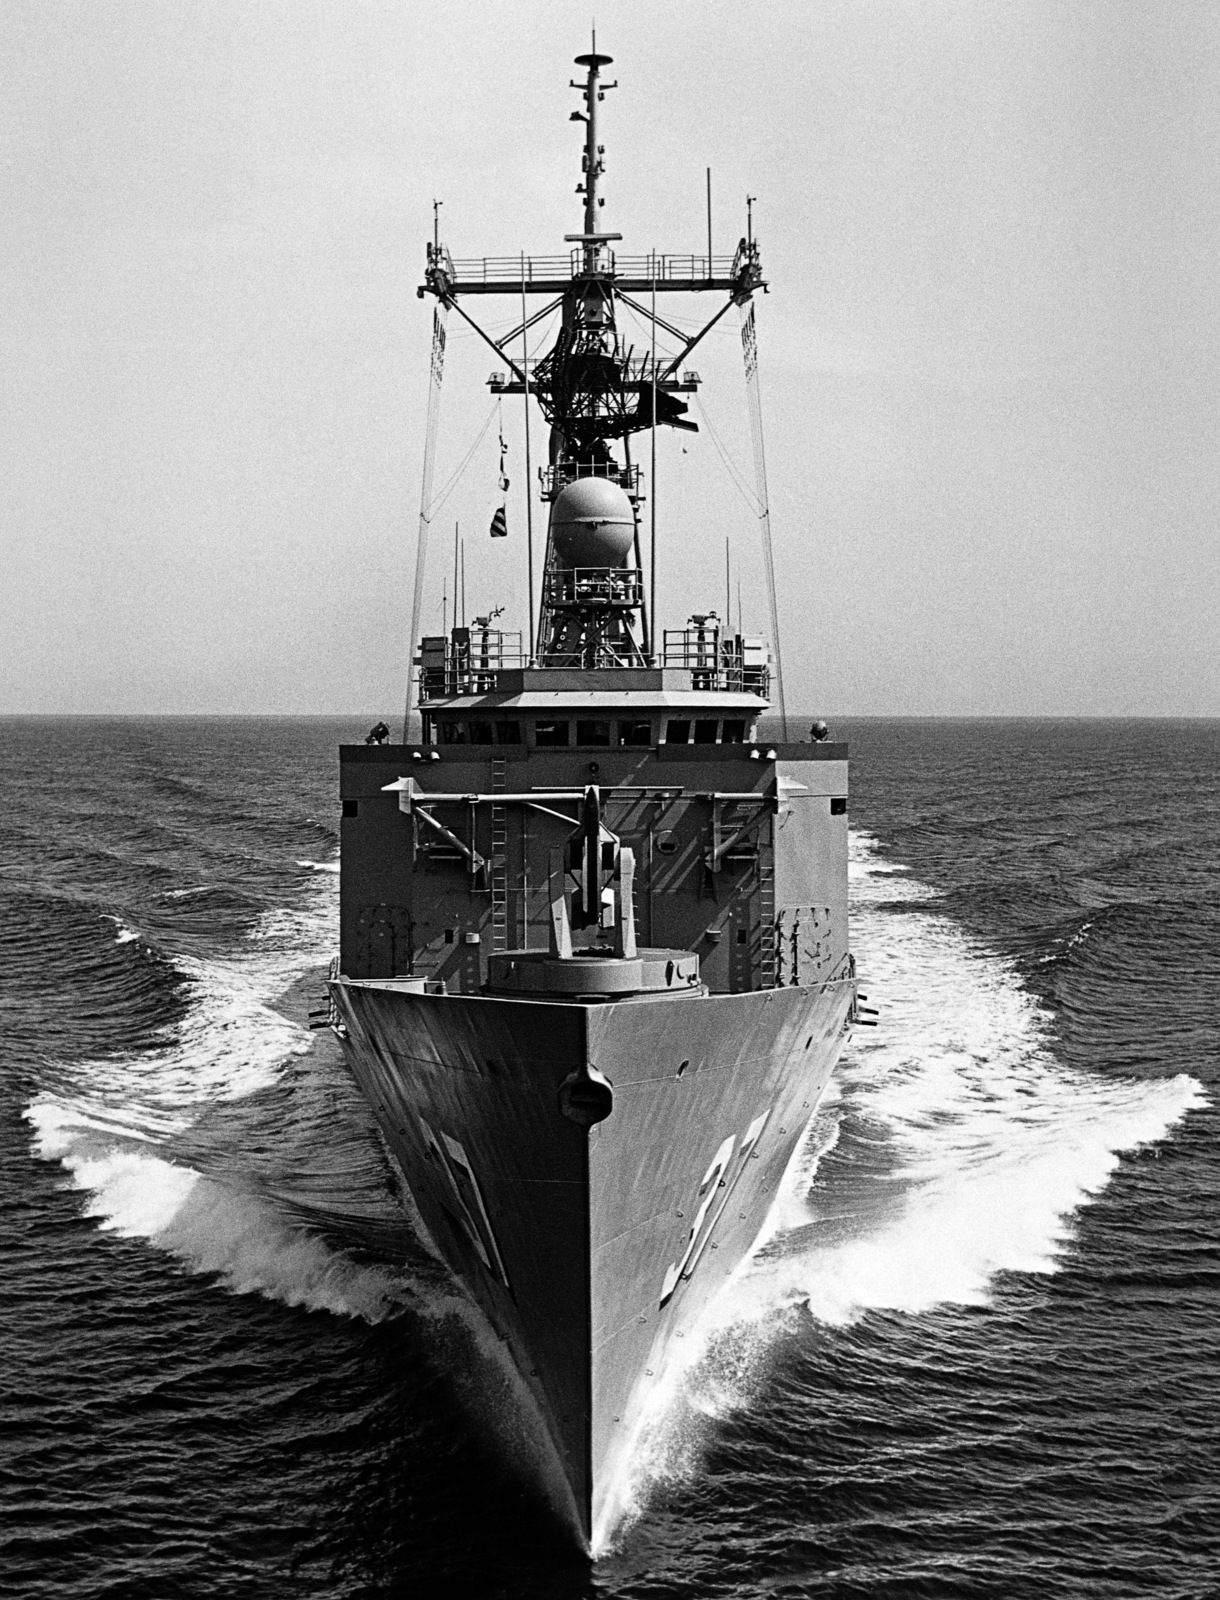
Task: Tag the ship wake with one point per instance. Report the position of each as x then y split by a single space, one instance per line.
952 1147
234 1141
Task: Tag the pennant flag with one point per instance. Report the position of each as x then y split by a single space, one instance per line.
499 523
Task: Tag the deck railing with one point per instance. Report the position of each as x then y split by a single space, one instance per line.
619 588
555 478
667 268
467 661
716 663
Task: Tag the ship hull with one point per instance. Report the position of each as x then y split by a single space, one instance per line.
590 1249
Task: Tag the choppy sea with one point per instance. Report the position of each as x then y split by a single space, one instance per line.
978 1354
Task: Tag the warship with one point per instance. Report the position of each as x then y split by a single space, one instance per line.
594 970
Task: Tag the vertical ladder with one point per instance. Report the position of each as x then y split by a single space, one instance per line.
499 863
769 930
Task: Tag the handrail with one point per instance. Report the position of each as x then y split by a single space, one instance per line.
665 268
595 586
450 666
714 663
500 269
555 478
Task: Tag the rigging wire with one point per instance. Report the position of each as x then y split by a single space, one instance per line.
674 317
739 482
452 484
652 490
644 324
749 346
435 375
529 497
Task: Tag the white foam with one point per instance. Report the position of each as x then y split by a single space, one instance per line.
110 1129
253 1250
954 1148
320 866
134 1194
210 1228
123 933
873 877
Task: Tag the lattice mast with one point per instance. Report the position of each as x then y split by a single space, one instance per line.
595 392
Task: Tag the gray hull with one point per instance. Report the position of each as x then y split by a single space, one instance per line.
590 1249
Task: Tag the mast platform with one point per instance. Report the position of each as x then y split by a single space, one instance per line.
553 275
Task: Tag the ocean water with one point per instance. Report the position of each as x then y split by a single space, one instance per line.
978 1352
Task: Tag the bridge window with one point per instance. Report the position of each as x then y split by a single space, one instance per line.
635 732
508 733
705 732
480 733
595 733
551 733
734 730
677 732
453 732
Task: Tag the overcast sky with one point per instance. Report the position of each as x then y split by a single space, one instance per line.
990 356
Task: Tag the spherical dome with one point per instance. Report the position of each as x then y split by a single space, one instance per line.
592 524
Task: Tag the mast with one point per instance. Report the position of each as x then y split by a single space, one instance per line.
593 164
594 391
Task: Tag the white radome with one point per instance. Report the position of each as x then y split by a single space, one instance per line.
592 524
